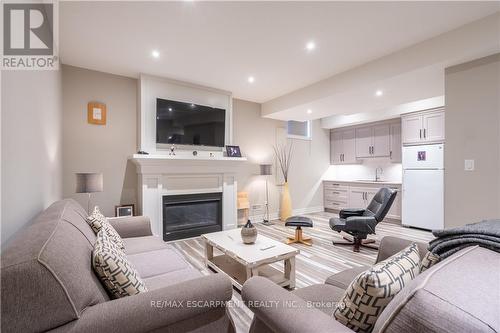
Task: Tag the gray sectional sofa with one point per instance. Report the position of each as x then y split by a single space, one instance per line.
48 284
458 295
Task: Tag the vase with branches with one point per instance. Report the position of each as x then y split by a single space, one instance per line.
283 155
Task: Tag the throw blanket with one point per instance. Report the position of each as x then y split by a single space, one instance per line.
485 234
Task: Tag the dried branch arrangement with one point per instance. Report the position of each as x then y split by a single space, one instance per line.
284 155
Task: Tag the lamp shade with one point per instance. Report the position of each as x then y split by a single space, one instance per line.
88 182
265 169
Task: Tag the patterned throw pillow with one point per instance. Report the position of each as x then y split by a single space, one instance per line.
371 291
114 270
113 235
96 220
429 260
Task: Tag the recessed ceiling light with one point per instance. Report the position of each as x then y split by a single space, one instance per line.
155 53
251 79
309 111
379 93
310 46
169 109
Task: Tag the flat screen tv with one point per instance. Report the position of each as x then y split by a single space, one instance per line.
189 124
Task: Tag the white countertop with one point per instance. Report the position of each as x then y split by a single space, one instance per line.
365 181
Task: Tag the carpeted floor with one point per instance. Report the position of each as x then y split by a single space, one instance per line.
314 264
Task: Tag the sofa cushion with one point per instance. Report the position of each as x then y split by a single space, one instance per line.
96 220
343 279
171 278
429 260
117 274
460 294
323 297
371 291
144 244
158 262
113 235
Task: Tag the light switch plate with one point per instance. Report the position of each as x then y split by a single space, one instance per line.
469 165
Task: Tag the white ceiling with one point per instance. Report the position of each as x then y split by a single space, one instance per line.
220 44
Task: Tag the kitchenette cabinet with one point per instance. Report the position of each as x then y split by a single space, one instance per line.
423 127
351 145
358 194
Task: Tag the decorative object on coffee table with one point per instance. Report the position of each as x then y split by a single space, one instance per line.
89 183
265 170
242 261
298 222
284 156
249 233
124 210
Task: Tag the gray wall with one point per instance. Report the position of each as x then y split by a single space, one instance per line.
31 165
100 148
311 158
472 132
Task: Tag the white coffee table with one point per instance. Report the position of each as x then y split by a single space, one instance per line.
242 261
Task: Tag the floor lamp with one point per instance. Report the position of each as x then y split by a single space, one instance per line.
265 170
88 183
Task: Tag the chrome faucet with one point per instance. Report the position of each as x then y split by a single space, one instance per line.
378 172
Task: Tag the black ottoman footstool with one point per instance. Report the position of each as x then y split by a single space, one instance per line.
298 222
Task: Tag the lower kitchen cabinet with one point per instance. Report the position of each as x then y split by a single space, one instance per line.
340 195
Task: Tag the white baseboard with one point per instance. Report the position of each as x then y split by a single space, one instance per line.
300 211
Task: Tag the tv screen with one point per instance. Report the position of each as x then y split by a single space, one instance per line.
189 124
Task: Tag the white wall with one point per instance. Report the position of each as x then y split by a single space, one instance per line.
100 148
472 132
31 146
256 136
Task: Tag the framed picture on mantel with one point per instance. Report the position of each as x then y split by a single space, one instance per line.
233 151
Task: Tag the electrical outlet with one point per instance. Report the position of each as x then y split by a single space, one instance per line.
469 165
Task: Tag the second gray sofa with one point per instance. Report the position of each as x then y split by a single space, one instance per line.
48 284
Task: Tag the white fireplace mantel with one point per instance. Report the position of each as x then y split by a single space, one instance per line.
160 175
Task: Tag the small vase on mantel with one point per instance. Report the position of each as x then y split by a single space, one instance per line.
286 203
249 233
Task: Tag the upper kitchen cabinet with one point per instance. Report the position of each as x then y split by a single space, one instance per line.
395 153
373 141
423 127
343 146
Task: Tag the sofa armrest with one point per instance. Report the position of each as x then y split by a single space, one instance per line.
283 311
158 308
131 226
391 245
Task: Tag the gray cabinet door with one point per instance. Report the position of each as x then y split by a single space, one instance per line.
396 148
349 146
336 147
381 141
364 142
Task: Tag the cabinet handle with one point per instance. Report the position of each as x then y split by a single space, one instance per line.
343 157
420 133
424 133
390 154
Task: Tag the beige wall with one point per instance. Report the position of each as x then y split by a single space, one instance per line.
472 132
31 146
97 148
256 136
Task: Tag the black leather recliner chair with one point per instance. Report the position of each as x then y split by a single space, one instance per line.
359 223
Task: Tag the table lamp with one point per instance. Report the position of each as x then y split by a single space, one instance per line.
265 170
88 183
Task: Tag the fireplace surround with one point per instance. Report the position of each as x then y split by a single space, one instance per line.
191 215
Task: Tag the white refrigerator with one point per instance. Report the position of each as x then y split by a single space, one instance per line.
423 186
